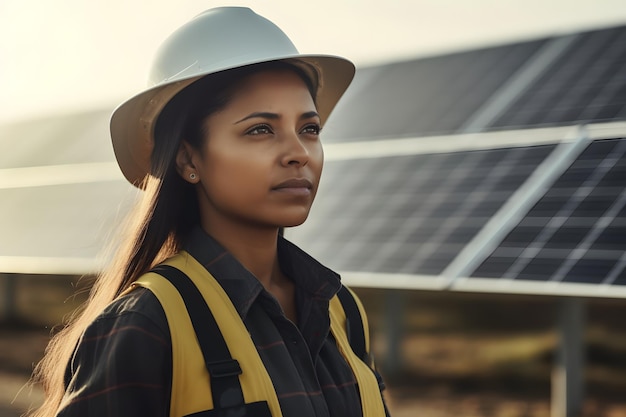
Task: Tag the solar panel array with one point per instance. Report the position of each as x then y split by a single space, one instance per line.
68 220
577 231
409 213
61 193
426 96
575 234
439 95
55 140
588 84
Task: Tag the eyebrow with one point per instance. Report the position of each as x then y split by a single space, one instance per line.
273 116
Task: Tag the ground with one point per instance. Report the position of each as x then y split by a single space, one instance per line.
468 355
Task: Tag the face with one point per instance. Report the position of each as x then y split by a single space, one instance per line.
262 159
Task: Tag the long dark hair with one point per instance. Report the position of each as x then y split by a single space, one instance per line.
167 210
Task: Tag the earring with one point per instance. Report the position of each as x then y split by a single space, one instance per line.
192 176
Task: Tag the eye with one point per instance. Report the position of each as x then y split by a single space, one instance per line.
312 129
261 129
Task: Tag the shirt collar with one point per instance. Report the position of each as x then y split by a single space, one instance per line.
242 287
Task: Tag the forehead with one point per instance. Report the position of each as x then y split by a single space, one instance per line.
271 85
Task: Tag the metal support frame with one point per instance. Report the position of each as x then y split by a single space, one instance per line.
395 309
8 290
568 375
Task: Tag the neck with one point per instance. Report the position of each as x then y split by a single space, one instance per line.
254 248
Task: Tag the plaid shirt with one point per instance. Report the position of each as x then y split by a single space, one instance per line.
123 366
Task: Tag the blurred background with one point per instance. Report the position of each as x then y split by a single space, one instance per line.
473 192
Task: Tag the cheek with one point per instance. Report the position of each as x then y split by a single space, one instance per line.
316 159
235 174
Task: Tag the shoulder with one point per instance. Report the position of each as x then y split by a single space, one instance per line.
123 333
122 357
138 311
139 301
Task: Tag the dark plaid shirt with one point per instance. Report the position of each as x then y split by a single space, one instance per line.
123 364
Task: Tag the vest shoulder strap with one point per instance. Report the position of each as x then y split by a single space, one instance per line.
355 325
223 370
221 374
367 378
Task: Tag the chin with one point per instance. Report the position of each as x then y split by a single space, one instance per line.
293 220
292 217
293 223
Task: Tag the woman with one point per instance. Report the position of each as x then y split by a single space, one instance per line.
226 147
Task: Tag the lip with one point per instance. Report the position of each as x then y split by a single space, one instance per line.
299 186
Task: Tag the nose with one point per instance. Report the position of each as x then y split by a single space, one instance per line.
295 151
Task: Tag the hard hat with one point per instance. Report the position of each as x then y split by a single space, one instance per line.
216 40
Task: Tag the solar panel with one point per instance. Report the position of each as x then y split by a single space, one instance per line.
586 84
410 214
71 220
576 233
425 96
74 138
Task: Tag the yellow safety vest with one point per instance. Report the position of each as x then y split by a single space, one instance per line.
190 378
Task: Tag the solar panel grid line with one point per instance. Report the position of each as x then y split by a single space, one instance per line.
586 244
386 95
568 79
588 78
564 213
614 90
494 76
457 95
567 83
397 102
360 217
342 117
514 209
361 201
409 223
433 203
424 114
461 212
420 105
420 217
618 269
622 113
432 95
502 99
552 253
442 241
331 212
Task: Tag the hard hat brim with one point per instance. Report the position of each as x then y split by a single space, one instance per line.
132 123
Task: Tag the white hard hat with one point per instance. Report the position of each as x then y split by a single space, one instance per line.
216 40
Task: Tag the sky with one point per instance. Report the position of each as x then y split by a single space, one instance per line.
68 55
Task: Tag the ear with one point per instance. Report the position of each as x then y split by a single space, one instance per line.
184 163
